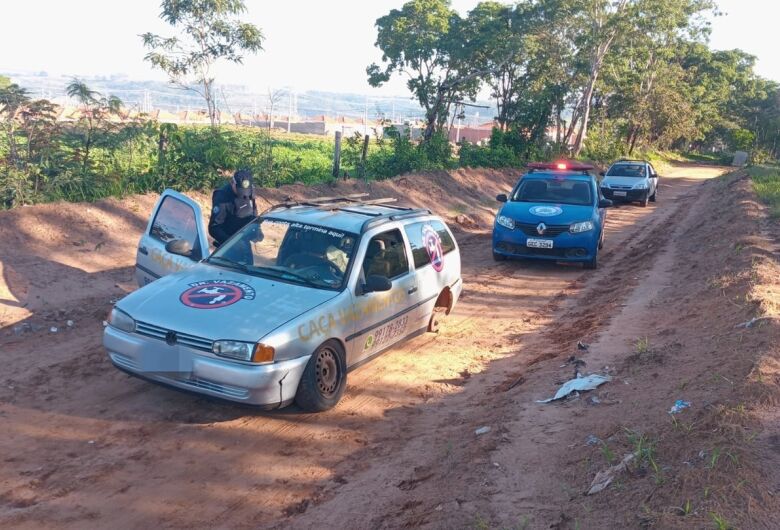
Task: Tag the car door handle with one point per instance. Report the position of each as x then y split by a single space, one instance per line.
143 251
412 290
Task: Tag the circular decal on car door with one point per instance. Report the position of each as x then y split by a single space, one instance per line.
215 294
546 211
432 243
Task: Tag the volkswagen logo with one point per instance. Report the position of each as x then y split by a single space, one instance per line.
541 228
170 338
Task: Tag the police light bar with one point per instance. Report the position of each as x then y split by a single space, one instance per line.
562 165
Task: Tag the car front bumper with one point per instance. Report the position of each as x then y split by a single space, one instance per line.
270 385
631 195
566 247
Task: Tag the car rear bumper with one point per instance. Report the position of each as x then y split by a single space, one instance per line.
566 247
631 195
269 385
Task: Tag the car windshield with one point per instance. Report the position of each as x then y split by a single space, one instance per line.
301 253
557 191
627 170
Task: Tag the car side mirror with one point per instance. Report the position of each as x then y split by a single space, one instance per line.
501 197
377 284
605 203
180 247
603 173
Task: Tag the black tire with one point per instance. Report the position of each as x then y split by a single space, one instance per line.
601 240
643 202
436 317
653 196
498 257
324 378
593 263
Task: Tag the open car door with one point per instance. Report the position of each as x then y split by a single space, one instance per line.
176 221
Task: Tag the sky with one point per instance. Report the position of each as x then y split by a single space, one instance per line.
310 44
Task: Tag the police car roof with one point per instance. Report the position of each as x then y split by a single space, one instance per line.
354 217
562 174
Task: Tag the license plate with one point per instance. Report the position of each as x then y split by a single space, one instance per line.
619 193
539 243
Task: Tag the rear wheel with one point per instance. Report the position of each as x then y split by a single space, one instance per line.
436 318
324 379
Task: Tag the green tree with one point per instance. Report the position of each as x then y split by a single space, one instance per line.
422 41
209 31
95 111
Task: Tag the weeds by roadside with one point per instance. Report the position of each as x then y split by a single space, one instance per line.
766 182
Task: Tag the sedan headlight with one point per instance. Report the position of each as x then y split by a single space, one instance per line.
640 186
584 226
121 320
506 222
243 351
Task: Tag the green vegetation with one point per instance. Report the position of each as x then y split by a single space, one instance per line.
766 181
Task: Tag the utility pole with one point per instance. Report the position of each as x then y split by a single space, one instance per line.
337 156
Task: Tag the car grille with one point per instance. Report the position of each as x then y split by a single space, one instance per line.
156 332
529 229
522 251
226 390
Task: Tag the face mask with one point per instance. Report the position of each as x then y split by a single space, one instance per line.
243 201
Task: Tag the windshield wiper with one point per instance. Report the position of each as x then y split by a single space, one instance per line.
285 272
228 263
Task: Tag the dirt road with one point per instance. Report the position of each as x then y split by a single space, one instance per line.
84 445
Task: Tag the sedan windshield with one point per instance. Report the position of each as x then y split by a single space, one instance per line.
627 170
557 191
296 252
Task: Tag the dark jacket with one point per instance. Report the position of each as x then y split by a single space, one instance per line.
229 212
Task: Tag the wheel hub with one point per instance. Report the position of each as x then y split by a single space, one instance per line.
327 372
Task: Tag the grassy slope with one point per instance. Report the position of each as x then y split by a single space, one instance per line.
766 182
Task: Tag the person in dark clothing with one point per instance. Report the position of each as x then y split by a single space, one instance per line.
233 206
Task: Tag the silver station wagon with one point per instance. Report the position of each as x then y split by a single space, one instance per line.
286 307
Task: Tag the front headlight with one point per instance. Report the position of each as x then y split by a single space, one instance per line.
640 186
121 320
506 222
584 226
243 351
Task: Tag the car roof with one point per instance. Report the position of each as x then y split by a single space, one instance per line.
346 215
557 175
629 162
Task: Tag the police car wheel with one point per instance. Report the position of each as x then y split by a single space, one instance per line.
643 202
593 263
498 257
653 196
601 240
324 379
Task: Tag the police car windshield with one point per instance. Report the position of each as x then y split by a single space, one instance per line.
557 191
300 253
627 170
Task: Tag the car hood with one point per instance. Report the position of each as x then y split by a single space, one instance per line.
216 303
552 214
622 181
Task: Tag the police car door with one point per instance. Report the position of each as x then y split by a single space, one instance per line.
382 318
175 217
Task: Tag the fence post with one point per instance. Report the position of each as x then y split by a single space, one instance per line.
363 157
337 156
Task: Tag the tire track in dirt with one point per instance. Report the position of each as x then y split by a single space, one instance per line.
205 462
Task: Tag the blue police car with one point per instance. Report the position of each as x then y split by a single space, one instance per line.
555 212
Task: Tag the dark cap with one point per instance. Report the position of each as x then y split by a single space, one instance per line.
243 179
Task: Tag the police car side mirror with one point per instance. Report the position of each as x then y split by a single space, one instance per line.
605 203
501 197
180 247
376 284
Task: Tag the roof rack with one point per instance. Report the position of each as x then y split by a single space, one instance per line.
386 218
348 203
